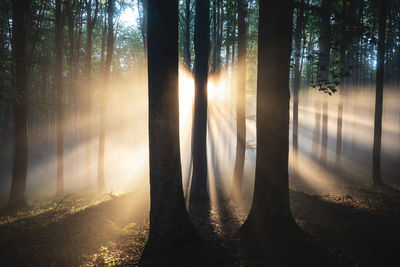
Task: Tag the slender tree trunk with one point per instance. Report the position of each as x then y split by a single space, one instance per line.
104 94
323 71
270 214
227 43
20 10
187 34
215 36
170 226
198 189
376 158
342 59
317 126
143 27
297 79
241 99
87 125
60 103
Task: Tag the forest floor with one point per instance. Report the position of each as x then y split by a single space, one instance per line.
359 226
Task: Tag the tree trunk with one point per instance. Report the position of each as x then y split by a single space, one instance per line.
20 10
241 99
187 35
104 95
86 121
297 79
376 158
170 226
342 59
270 214
60 103
323 71
143 27
198 189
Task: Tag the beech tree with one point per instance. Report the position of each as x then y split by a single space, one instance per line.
170 226
198 188
241 98
20 10
376 156
270 213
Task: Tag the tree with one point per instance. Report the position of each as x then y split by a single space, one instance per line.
342 59
20 11
170 226
270 213
60 102
297 77
107 70
376 157
198 188
241 98
187 52
323 70
86 121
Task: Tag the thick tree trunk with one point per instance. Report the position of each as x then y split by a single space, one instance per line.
104 95
241 99
270 214
20 10
376 158
60 102
170 226
198 189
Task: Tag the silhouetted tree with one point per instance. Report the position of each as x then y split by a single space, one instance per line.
201 48
270 213
170 226
376 161
20 11
323 69
60 101
297 77
241 98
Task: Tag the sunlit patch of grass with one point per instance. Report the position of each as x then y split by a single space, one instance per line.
59 208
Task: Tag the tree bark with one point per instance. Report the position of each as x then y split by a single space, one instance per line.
170 226
20 10
60 103
270 214
198 189
241 99
376 158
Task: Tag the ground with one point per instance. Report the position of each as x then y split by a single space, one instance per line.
359 226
